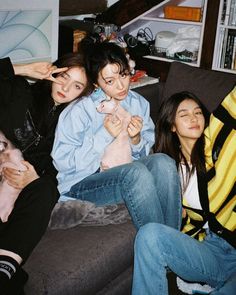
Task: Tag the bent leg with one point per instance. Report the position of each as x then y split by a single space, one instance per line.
130 183
29 218
166 178
229 287
158 246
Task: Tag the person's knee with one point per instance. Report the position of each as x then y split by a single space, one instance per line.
153 236
163 162
137 174
146 237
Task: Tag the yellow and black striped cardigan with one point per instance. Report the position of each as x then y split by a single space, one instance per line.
217 188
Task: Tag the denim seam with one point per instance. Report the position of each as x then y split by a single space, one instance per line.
131 203
209 275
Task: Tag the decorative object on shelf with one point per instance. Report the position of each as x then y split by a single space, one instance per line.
163 40
138 74
181 46
185 44
106 30
183 13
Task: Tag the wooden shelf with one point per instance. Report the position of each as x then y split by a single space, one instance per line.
154 20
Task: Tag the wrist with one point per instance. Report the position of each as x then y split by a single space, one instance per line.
21 69
135 139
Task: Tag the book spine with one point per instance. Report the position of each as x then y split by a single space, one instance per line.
227 12
223 50
233 64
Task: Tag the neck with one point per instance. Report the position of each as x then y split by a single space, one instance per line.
186 148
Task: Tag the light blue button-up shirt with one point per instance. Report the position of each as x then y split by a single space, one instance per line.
81 138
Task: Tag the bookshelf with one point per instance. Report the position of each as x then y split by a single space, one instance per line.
224 58
156 20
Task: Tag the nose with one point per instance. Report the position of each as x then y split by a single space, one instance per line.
193 118
66 86
120 84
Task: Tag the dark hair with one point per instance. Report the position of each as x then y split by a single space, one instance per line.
168 142
42 89
98 55
69 60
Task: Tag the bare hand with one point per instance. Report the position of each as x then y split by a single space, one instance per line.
39 70
113 125
20 179
134 128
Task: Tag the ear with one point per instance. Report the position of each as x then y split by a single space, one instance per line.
173 128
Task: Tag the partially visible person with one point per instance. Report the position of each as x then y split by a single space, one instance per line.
83 134
203 249
28 118
9 157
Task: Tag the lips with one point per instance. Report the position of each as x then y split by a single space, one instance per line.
60 94
123 93
197 127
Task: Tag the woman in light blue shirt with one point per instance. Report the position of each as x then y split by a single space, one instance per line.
83 134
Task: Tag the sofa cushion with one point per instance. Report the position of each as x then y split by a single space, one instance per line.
210 86
152 92
79 260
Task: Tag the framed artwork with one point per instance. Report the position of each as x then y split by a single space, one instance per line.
29 30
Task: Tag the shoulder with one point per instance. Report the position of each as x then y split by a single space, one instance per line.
78 111
136 99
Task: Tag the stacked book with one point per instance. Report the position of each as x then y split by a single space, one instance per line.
228 17
227 36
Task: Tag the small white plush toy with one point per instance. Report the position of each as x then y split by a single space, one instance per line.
9 157
118 152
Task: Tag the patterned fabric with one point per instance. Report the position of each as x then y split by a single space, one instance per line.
220 151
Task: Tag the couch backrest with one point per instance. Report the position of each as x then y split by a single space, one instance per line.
210 86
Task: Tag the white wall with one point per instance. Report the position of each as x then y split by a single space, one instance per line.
111 2
81 16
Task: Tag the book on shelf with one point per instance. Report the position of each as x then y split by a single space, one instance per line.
232 13
223 48
227 48
222 21
227 3
221 35
233 64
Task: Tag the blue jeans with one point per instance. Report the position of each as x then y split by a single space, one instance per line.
158 247
140 186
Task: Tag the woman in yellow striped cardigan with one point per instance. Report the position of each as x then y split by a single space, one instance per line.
203 249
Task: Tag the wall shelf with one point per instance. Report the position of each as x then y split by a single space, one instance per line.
155 20
224 58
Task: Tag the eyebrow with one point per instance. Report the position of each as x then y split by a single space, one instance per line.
75 80
185 110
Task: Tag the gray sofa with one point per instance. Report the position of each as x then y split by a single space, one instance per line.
98 259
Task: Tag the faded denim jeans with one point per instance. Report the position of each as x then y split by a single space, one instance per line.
158 247
140 186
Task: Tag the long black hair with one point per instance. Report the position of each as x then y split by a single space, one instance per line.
168 142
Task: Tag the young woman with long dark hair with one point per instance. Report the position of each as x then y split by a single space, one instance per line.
203 248
28 118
